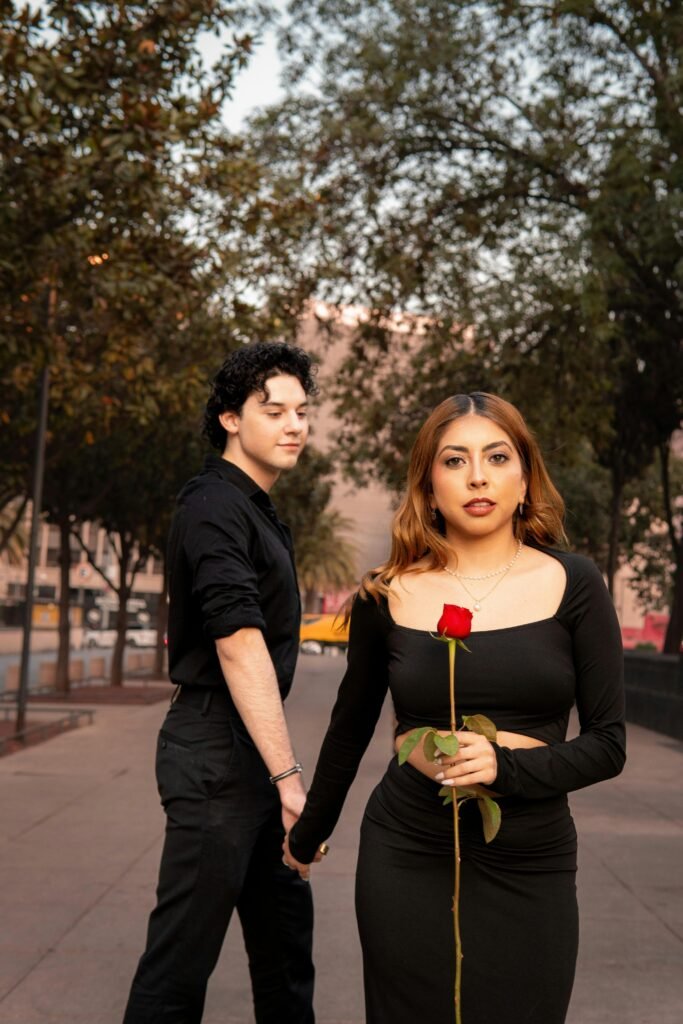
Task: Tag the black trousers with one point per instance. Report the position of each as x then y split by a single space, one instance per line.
223 850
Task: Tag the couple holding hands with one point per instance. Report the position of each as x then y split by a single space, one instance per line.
481 526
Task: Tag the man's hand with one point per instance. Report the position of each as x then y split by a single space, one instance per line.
292 798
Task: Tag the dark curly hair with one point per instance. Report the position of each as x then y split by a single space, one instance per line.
246 371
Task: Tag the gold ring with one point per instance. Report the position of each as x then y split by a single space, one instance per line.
323 849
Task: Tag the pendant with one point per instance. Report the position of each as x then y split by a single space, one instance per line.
477 606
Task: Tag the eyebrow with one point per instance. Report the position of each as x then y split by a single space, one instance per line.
464 448
282 405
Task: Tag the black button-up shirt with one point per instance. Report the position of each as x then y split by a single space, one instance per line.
231 565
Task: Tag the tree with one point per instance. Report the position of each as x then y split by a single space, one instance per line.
131 476
510 175
653 530
117 181
303 494
325 560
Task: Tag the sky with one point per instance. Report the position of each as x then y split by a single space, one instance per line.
257 85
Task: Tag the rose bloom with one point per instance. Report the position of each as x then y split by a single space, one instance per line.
455 622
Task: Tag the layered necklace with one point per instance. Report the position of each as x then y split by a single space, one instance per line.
501 573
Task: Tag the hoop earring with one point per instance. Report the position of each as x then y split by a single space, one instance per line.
520 510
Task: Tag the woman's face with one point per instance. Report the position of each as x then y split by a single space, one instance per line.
477 478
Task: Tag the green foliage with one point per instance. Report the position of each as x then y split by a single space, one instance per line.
490 816
113 160
481 725
514 167
325 560
411 741
447 744
647 538
429 748
302 495
434 745
118 182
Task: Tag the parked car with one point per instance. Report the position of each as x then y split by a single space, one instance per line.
319 632
136 636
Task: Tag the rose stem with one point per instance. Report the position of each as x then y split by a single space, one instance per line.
456 834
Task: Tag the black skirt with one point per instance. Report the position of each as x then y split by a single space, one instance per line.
518 910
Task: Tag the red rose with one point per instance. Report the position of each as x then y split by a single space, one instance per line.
455 622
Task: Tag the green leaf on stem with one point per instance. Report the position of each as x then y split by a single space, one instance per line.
411 741
429 746
481 725
447 793
490 816
467 792
447 744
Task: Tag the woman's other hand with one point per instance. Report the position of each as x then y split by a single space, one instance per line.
474 764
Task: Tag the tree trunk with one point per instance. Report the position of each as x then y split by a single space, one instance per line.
162 623
62 673
674 629
311 601
615 523
123 591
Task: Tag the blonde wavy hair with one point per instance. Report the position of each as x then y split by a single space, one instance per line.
414 536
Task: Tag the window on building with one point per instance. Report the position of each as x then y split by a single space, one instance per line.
54 547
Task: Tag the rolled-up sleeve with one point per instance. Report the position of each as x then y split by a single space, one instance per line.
218 546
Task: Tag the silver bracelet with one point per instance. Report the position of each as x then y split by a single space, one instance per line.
294 770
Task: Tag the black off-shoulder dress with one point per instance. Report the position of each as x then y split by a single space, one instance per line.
518 899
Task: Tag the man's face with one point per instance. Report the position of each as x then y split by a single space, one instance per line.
270 432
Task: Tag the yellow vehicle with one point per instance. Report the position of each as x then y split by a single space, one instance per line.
319 631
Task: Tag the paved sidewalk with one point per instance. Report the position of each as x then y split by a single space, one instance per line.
81 830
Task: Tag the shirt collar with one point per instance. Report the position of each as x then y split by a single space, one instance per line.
234 475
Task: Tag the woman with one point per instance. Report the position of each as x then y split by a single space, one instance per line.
478 527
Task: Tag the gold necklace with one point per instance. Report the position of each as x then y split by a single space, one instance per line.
502 573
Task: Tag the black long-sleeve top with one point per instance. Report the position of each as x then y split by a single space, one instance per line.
525 678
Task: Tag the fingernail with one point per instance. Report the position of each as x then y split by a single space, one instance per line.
438 760
449 782
439 776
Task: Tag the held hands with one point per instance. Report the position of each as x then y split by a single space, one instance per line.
293 798
291 862
474 764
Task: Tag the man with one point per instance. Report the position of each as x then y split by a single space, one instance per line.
229 781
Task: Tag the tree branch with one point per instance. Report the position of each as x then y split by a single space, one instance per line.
89 555
9 531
